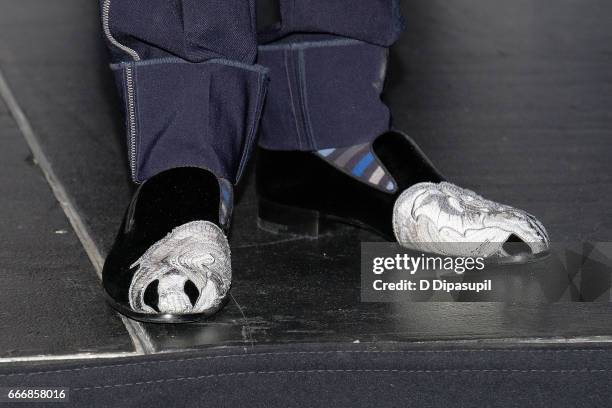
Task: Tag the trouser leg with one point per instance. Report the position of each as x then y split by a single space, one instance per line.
327 61
186 74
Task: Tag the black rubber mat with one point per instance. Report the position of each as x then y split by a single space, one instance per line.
342 375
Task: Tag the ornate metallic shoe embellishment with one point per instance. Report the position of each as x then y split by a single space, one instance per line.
198 252
446 219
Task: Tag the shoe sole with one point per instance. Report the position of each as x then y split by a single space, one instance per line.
162 318
283 219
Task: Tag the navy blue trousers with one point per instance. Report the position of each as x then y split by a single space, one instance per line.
198 81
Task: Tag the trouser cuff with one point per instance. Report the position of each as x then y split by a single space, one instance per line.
323 94
182 114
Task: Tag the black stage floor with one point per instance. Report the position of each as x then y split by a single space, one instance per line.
511 99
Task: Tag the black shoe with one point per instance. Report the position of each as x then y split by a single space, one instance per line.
391 188
170 262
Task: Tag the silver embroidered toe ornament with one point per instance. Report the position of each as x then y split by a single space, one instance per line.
445 219
198 252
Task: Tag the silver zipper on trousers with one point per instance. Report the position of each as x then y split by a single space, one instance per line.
106 27
129 82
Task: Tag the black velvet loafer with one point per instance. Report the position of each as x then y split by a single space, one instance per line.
170 262
391 188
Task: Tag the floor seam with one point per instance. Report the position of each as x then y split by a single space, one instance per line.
140 339
68 357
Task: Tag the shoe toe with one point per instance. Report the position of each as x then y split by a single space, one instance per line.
190 269
446 219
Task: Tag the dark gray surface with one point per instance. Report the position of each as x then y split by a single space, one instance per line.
49 297
511 99
316 297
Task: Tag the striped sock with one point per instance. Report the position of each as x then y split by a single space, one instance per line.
360 162
226 204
